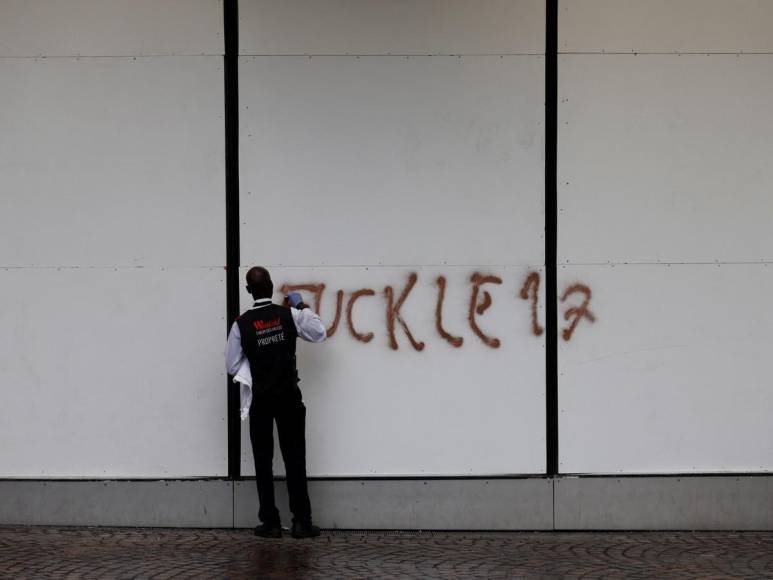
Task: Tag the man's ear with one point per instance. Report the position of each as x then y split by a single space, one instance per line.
248 290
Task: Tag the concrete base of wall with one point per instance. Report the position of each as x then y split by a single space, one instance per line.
171 503
565 503
455 504
664 503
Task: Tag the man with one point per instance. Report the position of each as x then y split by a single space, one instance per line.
266 335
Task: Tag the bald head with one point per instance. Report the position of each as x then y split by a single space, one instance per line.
259 283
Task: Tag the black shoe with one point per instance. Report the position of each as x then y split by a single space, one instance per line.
301 530
266 531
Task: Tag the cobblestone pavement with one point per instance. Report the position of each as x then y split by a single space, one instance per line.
39 552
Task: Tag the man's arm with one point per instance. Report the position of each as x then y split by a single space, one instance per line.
308 323
234 355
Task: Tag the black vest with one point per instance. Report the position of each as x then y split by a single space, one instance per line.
268 340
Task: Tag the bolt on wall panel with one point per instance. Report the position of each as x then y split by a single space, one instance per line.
393 27
665 369
112 162
671 26
464 394
110 27
112 373
392 160
665 158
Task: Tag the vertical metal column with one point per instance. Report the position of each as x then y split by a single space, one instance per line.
231 74
551 235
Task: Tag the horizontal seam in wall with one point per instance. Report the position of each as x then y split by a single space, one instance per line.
154 267
247 480
352 54
716 263
366 478
666 53
112 480
251 478
697 474
85 56
534 264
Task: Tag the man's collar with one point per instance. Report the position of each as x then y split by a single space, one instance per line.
260 303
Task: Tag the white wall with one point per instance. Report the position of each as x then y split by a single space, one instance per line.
380 139
357 171
397 27
664 206
445 150
665 26
665 158
110 27
112 162
111 206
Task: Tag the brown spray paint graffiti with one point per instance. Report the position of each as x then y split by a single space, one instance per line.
456 341
350 322
317 290
339 305
579 312
479 280
480 301
530 290
393 314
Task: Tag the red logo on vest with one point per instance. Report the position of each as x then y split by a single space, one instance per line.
264 324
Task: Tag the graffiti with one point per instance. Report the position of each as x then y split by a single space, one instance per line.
350 322
480 300
317 290
455 341
339 303
577 313
530 290
393 314
479 308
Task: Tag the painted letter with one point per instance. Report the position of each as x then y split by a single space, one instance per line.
456 341
339 304
317 290
579 312
478 280
530 289
349 322
393 313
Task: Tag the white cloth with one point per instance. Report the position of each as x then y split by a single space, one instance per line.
243 377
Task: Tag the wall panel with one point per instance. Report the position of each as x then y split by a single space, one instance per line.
357 171
111 206
112 372
672 376
394 27
110 27
392 160
665 26
664 206
113 162
665 158
444 410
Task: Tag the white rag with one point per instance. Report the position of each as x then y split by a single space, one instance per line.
244 377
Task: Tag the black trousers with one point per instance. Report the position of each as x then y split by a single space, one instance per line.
289 412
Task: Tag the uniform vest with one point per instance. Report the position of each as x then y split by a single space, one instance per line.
268 341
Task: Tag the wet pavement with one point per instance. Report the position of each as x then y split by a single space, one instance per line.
39 552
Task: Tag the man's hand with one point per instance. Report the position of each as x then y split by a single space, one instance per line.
295 300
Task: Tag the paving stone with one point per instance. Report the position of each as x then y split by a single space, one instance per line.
41 552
